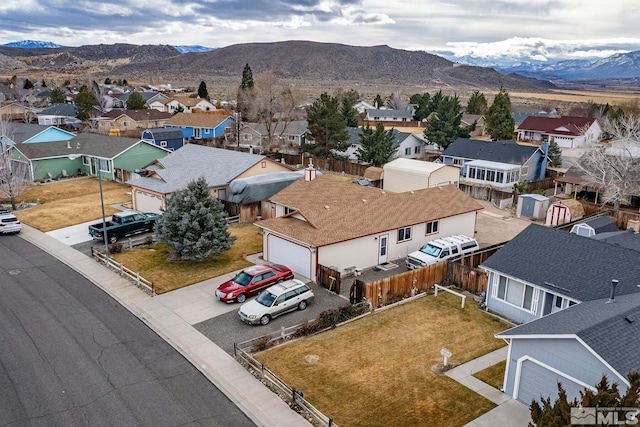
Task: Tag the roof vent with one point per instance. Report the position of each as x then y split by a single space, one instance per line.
631 317
327 207
412 192
364 200
383 193
612 294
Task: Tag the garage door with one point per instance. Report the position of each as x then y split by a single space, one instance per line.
294 256
536 381
146 202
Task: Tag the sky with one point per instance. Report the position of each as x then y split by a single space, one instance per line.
543 29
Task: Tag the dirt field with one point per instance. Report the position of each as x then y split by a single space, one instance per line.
571 96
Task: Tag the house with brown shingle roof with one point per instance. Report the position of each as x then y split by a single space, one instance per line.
566 131
201 126
346 226
131 121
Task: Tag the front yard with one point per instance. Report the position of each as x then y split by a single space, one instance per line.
377 371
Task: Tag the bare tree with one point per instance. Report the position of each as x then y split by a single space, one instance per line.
15 175
398 100
272 105
615 168
103 101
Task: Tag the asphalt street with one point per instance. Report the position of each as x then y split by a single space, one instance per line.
71 355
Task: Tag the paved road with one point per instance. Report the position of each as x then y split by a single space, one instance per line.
227 328
71 355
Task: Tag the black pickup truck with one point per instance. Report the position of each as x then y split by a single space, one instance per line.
124 224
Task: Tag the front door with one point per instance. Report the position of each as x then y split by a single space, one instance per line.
382 257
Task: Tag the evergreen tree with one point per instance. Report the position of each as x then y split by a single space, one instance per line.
422 109
378 102
194 224
247 78
27 84
85 102
44 84
66 83
554 154
376 146
58 96
135 102
348 113
477 103
444 126
327 128
498 121
203 93
107 81
434 101
125 82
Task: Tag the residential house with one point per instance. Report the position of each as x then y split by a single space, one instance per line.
59 115
389 117
287 137
16 112
629 238
347 226
543 270
362 106
498 164
87 153
27 133
566 131
406 144
184 105
477 120
201 127
409 175
174 172
130 122
575 347
149 98
168 138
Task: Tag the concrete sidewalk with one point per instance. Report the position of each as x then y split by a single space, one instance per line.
170 317
508 410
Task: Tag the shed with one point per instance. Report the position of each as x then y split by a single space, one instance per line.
593 226
401 175
532 206
564 211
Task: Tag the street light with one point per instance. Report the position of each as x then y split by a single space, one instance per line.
104 221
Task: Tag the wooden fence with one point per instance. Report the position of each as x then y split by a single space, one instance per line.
333 165
133 276
329 278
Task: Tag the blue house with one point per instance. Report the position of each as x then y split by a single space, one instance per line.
201 126
499 164
545 270
169 138
575 347
27 133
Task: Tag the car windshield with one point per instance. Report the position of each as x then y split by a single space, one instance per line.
243 278
429 249
266 299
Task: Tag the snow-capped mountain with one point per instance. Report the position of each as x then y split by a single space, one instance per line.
32 44
196 48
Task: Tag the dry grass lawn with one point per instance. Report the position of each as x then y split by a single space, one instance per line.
153 265
70 202
377 371
493 375
604 97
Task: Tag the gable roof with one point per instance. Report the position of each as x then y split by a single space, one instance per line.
217 165
629 239
388 113
578 267
610 329
22 132
67 110
507 151
165 133
210 121
469 119
398 137
296 127
565 125
336 211
137 115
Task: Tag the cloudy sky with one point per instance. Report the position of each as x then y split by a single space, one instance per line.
548 30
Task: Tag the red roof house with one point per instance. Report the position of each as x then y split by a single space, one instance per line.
566 131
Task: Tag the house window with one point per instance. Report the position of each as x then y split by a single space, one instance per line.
263 164
458 162
291 137
197 133
163 144
288 210
515 293
472 173
247 137
404 234
524 171
125 124
407 151
416 150
432 227
86 160
104 165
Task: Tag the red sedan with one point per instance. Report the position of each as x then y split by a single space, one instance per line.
251 281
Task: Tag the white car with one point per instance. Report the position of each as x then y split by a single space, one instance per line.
9 223
276 300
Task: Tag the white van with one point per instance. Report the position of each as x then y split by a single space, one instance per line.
441 249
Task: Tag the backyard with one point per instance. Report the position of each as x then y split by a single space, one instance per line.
381 370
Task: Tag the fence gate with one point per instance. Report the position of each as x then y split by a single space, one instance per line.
329 278
356 293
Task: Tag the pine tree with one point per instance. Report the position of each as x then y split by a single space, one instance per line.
58 96
203 93
378 102
422 110
348 113
194 224
135 102
247 78
477 103
44 84
376 146
444 125
27 84
498 121
554 154
85 102
327 128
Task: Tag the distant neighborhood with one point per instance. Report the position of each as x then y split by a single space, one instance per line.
415 169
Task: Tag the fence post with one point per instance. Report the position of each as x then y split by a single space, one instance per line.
235 346
330 421
138 278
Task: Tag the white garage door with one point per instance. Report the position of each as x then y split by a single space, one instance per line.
537 381
146 202
294 256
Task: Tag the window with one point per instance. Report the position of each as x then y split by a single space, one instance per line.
104 165
163 144
125 124
247 136
404 234
458 162
197 133
263 164
524 171
515 293
291 137
407 151
85 160
416 150
432 227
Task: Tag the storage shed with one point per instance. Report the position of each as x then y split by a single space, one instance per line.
593 226
401 175
532 206
564 211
